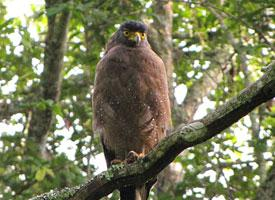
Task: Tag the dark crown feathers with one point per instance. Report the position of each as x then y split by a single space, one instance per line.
134 26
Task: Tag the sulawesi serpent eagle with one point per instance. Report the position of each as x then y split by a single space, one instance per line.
130 100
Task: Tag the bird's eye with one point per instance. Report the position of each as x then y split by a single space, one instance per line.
142 36
126 33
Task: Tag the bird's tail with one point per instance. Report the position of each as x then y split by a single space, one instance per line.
133 193
136 192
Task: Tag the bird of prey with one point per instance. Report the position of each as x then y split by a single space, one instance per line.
130 101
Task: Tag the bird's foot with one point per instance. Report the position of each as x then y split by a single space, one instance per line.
133 156
116 162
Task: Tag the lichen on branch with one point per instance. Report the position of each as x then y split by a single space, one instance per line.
182 138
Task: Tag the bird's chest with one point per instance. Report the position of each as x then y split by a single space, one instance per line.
129 81
130 61
127 74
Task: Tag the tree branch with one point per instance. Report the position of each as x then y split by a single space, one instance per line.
11 108
181 139
198 90
240 19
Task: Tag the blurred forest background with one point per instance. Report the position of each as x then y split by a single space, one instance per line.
212 49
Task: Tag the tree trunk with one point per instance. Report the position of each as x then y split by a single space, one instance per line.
51 77
161 38
267 189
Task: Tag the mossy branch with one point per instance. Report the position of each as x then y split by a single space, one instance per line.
182 138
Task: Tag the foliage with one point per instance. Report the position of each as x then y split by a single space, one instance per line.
231 165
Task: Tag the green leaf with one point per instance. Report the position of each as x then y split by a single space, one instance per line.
6 23
57 109
40 174
41 105
50 172
57 9
2 171
49 102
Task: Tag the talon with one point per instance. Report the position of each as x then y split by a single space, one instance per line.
116 162
133 156
141 155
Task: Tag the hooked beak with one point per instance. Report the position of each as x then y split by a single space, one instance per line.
136 38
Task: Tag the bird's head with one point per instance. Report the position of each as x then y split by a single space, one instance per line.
133 34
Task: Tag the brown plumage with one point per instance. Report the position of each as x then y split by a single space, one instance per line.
130 101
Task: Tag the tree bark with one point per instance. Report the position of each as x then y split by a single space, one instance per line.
51 80
181 139
161 38
197 91
267 188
